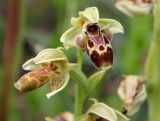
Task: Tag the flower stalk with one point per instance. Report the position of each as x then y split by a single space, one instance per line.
152 69
79 95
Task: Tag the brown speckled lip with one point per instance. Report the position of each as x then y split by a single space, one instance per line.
102 60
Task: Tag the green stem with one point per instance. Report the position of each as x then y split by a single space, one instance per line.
152 69
79 94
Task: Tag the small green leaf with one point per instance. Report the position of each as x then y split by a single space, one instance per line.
72 65
79 77
94 79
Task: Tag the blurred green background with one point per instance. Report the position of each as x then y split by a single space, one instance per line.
40 25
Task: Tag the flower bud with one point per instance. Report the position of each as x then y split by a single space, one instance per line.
135 7
132 92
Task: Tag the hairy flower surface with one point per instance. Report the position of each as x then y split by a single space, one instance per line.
50 65
93 34
132 92
135 7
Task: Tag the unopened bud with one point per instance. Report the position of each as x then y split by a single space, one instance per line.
132 92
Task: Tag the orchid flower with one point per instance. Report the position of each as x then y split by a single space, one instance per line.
50 65
92 34
102 112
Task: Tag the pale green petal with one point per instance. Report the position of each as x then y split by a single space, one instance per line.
77 22
131 9
111 24
50 55
90 14
30 65
53 92
104 111
69 37
59 79
120 116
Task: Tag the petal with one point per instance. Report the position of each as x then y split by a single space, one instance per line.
59 79
30 65
111 24
77 22
103 111
50 55
90 14
120 116
69 37
131 9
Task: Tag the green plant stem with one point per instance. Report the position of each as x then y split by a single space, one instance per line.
79 94
152 69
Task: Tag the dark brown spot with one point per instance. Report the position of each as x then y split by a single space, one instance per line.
108 56
92 29
147 1
101 47
102 60
124 111
96 59
90 43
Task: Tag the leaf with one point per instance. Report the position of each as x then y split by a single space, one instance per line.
79 77
94 79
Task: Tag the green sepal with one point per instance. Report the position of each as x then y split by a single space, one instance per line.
69 37
111 24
